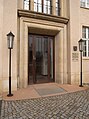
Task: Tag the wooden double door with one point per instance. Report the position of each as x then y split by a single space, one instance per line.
40 59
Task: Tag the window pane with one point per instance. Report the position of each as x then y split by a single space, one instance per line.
85 35
57 7
51 57
43 6
84 32
26 4
37 5
84 49
88 3
47 6
84 54
83 3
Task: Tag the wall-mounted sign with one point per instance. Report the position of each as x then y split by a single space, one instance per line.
75 56
74 48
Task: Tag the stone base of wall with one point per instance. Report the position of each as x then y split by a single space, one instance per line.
5 85
0 89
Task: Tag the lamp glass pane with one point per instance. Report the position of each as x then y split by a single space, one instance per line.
80 46
10 42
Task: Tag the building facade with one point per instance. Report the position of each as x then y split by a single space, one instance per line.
46 41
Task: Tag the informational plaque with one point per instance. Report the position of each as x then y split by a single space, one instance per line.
75 56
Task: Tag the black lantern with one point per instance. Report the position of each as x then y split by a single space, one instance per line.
81 45
10 39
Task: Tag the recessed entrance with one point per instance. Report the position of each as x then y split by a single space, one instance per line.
40 59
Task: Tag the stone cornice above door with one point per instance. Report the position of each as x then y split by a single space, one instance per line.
42 16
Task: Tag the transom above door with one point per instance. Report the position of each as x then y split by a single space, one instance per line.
40 59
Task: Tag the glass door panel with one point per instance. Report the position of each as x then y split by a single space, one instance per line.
45 56
30 59
51 58
41 58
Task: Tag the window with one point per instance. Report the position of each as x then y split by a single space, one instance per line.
47 6
85 36
38 5
57 8
84 3
26 4
42 6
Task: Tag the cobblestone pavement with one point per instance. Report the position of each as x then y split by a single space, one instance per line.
65 106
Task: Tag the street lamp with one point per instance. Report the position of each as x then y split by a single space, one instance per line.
10 39
81 44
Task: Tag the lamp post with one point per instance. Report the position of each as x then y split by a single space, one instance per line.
10 39
81 44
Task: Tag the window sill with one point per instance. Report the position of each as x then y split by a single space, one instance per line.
36 15
84 7
85 58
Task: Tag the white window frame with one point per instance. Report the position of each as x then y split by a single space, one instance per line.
84 3
87 41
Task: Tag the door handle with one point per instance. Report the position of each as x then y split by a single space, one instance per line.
34 58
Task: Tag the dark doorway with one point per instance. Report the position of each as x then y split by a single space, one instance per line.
40 59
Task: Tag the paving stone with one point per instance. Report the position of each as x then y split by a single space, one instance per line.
66 106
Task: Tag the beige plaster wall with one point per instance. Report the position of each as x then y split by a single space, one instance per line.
20 4
74 29
1 30
78 18
64 6
9 24
84 15
59 57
